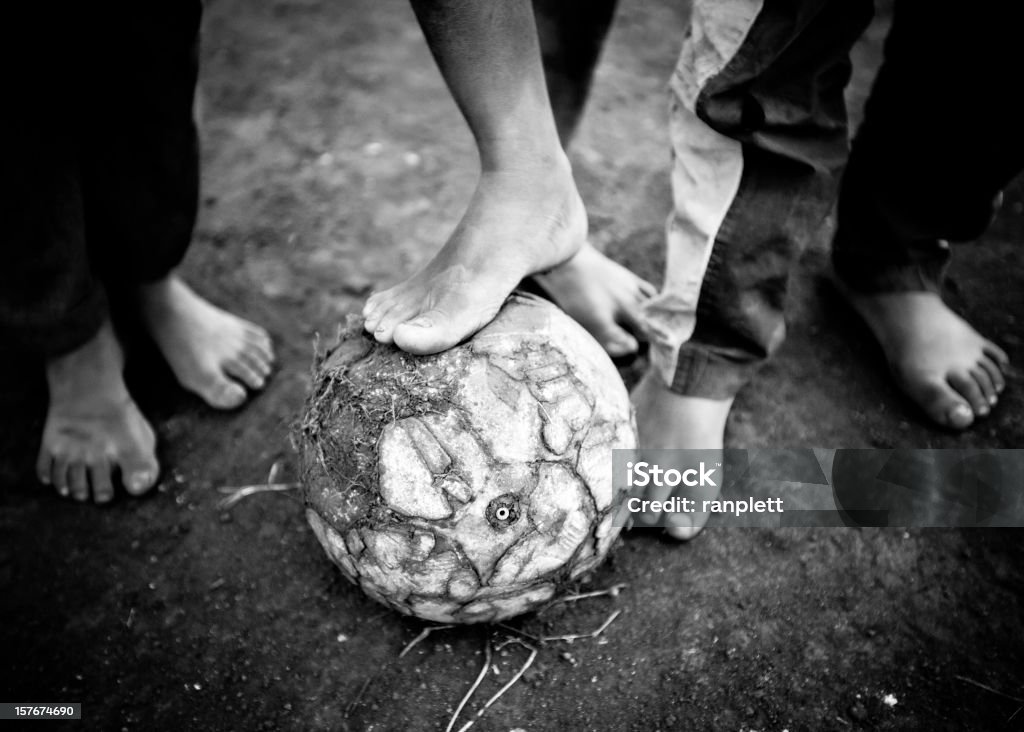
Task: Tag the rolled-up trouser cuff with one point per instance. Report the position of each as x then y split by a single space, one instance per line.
701 372
867 277
57 336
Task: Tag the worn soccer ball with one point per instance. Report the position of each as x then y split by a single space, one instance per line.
472 485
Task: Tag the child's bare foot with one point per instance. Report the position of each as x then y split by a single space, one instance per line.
93 427
601 295
518 223
937 358
670 421
209 350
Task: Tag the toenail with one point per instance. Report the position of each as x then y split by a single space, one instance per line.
63 491
993 400
421 322
138 481
960 412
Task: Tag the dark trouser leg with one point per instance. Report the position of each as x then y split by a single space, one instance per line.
102 179
941 137
51 300
140 150
759 137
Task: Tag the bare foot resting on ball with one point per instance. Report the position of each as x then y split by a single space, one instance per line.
953 373
93 428
601 295
519 222
669 421
211 352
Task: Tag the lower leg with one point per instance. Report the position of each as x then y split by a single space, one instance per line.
758 134
525 215
670 421
917 179
92 425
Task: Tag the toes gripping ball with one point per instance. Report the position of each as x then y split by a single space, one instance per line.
468 486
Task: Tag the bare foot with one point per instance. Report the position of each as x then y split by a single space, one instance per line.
211 352
601 295
937 358
670 421
518 223
93 427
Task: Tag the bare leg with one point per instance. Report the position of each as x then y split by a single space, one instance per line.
93 427
525 216
211 352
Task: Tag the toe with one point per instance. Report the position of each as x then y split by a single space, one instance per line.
964 383
632 318
616 341
78 481
59 475
384 332
44 466
984 382
431 332
377 304
255 361
372 303
994 373
436 330
139 466
646 288
683 530
102 486
373 322
243 372
997 354
223 393
260 344
139 481
139 474
944 405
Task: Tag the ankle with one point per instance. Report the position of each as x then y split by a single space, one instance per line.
96 365
158 290
524 155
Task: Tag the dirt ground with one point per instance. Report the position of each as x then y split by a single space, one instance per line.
336 162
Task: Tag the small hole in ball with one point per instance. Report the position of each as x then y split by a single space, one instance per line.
502 513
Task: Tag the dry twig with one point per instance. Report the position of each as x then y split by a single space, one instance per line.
989 689
355 702
425 632
612 591
506 687
237 493
479 679
579 636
